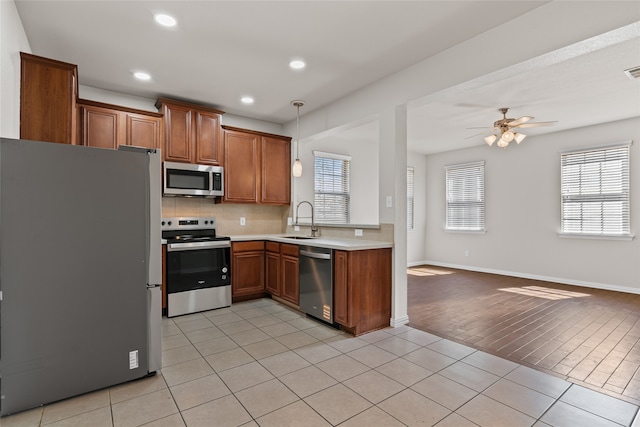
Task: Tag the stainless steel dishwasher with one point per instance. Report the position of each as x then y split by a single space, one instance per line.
316 282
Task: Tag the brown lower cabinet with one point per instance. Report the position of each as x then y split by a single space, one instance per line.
272 284
289 273
281 271
362 289
247 270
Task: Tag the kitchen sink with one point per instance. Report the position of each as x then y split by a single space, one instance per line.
299 237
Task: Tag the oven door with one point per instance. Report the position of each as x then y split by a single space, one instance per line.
197 265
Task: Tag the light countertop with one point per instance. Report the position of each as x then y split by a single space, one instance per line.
321 242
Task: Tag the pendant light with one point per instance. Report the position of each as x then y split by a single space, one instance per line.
297 165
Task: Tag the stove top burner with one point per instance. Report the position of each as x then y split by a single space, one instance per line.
189 229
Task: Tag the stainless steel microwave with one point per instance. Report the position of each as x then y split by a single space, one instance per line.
185 179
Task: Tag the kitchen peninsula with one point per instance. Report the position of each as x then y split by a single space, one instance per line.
361 275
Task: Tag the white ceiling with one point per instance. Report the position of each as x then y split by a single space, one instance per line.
223 50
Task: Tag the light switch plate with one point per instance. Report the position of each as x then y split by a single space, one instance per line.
289 221
389 202
296 228
243 221
358 232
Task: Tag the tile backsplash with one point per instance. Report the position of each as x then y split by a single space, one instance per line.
259 219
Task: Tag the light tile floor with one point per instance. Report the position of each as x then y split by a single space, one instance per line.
259 363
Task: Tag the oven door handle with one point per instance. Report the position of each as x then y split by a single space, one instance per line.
193 246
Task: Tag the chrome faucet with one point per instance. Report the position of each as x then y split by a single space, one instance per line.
314 227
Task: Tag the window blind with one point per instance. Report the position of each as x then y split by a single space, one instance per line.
332 186
465 197
410 172
595 191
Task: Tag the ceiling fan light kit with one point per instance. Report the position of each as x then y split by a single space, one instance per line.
503 129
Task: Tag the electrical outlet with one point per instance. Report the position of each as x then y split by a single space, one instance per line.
466 253
289 221
358 232
389 202
296 228
243 221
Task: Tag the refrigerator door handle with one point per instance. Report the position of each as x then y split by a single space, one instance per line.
155 285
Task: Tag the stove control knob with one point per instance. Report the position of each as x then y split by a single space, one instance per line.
169 222
224 269
163 223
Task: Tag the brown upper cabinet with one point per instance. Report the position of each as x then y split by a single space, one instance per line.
192 133
257 167
48 92
108 126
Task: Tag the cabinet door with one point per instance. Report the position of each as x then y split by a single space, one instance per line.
143 131
209 146
272 284
341 294
290 279
241 165
48 92
178 140
276 171
247 273
100 127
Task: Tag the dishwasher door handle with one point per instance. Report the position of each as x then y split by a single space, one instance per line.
315 255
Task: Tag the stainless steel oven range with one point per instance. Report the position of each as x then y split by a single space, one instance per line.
197 266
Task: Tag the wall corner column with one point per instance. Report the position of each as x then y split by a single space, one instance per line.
393 189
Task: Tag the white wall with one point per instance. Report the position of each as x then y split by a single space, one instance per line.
416 238
13 40
522 191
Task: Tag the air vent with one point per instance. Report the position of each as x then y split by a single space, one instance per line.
633 73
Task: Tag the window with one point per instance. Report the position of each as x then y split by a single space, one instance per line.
410 198
331 186
595 191
465 197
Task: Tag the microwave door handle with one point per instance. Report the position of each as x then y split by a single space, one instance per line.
211 181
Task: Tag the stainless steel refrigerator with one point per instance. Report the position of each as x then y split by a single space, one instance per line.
80 270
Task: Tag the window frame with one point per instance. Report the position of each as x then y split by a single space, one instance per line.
481 229
624 197
346 183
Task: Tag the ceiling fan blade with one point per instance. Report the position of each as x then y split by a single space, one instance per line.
519 121
533 125
480 127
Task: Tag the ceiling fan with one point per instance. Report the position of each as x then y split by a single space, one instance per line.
503 129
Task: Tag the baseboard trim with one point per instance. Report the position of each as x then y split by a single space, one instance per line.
560 280
395 322
415 264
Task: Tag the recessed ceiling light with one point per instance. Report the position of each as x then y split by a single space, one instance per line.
165 20
297 64
140 75
247 100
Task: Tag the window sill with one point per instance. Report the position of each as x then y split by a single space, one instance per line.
466 231
626 237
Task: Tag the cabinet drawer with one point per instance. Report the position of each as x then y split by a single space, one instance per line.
247 246
291 250
273 247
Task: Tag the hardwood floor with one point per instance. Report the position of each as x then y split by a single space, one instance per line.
588 336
